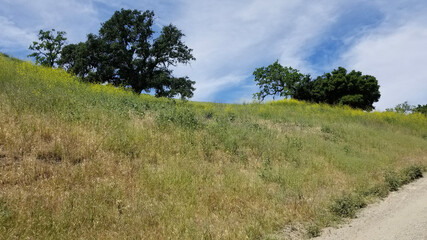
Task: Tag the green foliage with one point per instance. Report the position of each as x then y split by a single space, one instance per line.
404 107
48 50
393 181
5 213
378 190
338 87
277 80
86 60
421 109
181 116
352 100
313 230
4 55
411 173
127 53
346 206
99 161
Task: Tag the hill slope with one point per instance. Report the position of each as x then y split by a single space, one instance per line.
88 161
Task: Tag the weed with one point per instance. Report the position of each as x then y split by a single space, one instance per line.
411 173
53 155
81 160
5 213
313 230
326 129
395 180
209 115
265 172
347 205
379 190
392 180
181 116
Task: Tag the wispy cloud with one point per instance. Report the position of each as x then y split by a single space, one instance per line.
232 38
14 36
398 61
75 17
395 54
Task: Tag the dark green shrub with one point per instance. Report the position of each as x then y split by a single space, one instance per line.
181 116
346 206
313 231
380 191
209 114
392 180
326 129
411 173
6 215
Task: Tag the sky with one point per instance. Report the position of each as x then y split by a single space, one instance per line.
231 38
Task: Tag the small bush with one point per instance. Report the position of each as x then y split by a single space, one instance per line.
313 231
5 214
392 180
209 115
326 129
181 116
411 173
380 191
347 205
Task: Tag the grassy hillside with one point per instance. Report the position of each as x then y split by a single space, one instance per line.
83 161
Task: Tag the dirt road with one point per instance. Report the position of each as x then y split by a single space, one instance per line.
402 215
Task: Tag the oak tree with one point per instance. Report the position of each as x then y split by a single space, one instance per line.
47 52
127 52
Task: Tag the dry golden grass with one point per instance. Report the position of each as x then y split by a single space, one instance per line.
80 161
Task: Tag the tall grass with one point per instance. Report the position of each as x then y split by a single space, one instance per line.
83 161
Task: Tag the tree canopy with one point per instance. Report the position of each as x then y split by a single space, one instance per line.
406 108
48 50
340 87
127 52
421 109
277 80
337 87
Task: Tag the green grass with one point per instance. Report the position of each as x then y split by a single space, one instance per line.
89 161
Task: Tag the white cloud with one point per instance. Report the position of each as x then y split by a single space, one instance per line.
396 55
232 38
77 18
206 90
306 31
13 36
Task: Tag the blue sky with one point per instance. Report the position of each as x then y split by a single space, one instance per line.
386 39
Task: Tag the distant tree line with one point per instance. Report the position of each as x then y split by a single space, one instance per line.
126 52
420 109
405 108
338 87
